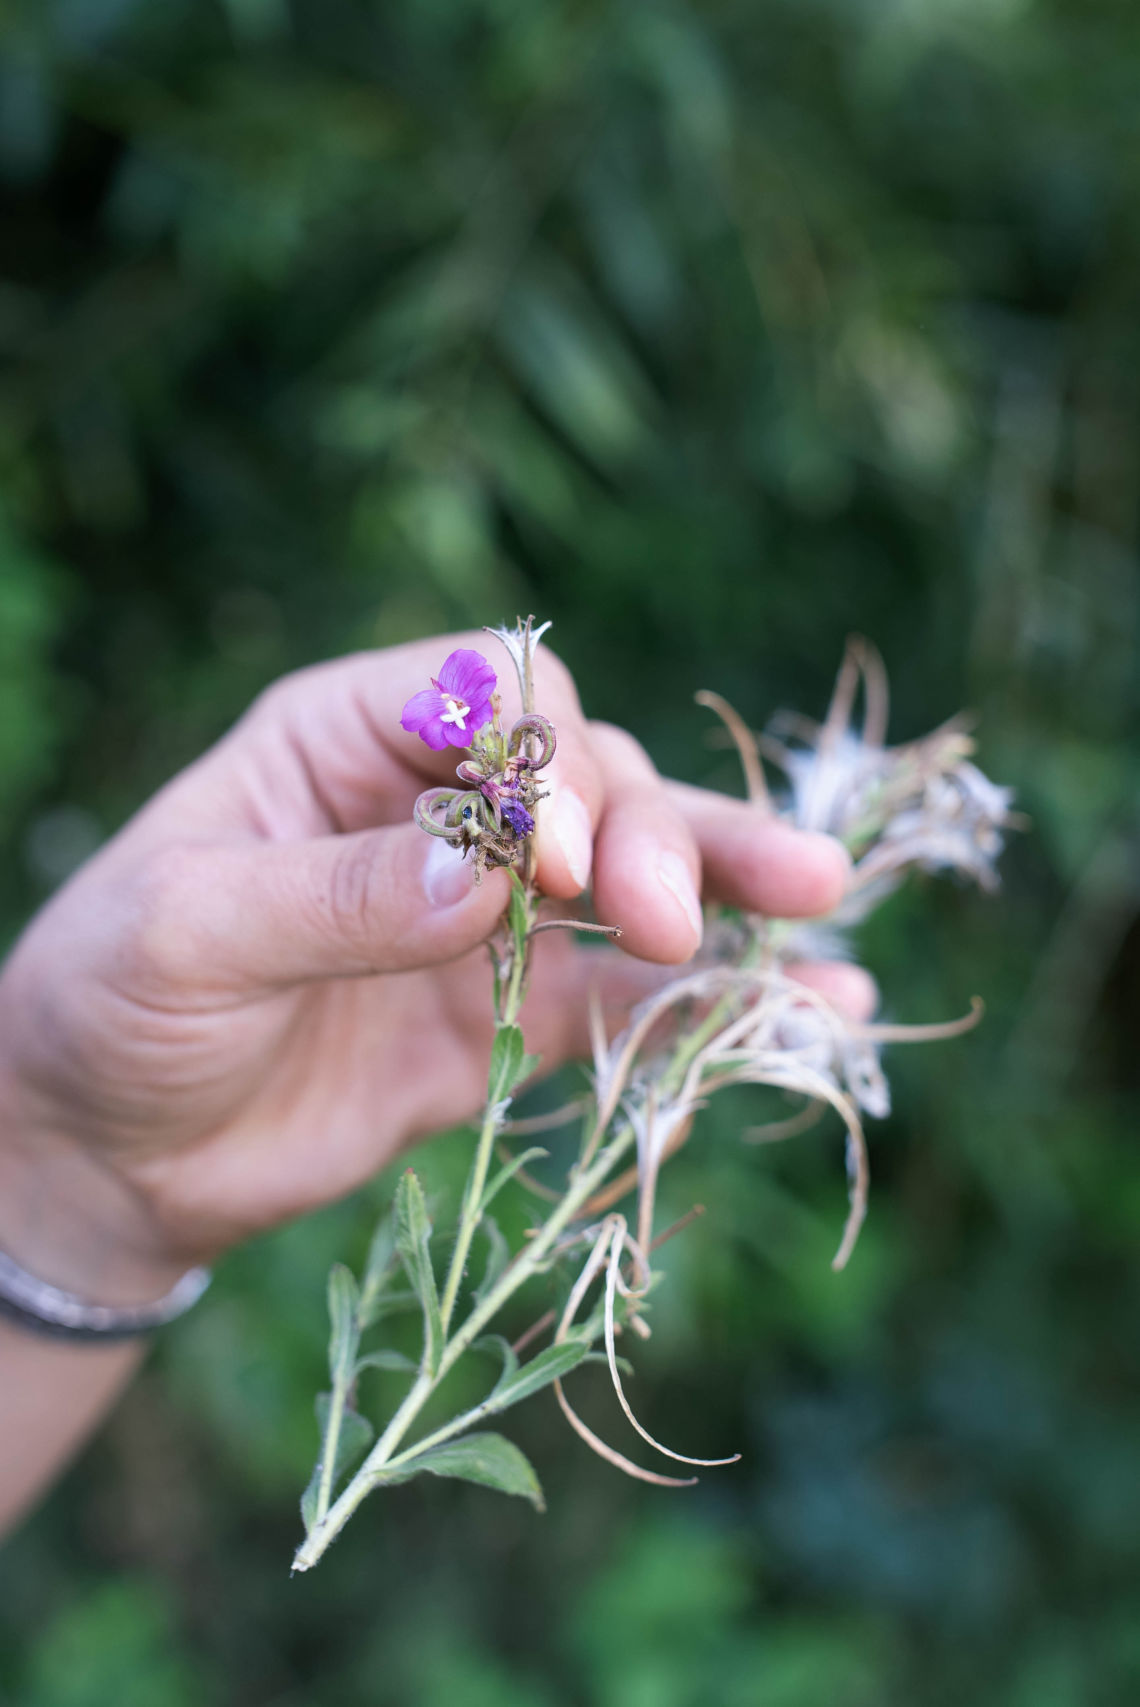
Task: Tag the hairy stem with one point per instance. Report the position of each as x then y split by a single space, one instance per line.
332 1438
471 1213
371 1473
469 1217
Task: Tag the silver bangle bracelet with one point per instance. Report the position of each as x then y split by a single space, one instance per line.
47 1310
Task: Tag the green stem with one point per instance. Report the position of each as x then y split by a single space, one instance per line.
581 1190
469 1217
471 1213
525 1264
341 1382
516 981
332 1439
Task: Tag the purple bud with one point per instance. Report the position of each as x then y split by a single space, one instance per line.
518 817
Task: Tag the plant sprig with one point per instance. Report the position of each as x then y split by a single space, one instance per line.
738 1017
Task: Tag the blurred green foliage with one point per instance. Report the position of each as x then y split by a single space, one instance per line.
713 333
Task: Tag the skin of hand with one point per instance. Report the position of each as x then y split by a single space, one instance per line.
270 981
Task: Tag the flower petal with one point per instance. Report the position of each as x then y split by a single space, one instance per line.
423 716
518 817
420 709
453 736
469 677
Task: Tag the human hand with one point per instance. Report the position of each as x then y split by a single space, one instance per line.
270 980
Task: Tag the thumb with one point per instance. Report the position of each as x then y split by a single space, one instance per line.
272 913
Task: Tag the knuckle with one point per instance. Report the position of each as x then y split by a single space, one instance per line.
294 692
275 700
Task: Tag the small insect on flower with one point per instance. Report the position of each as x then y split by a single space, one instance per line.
457 704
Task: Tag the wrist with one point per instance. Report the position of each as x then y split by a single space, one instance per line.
73 1223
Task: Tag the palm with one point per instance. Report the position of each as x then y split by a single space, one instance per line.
312 1091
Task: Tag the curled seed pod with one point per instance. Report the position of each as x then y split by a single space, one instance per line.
426 807
531 724
473 814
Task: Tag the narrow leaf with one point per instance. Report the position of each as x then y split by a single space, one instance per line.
517 916
378 1270
413 1235
343 1300
392 1304
496 979
354 1437
385 1360
550 1365
507 1056
501 1348
507 1173
623 1363
489 1459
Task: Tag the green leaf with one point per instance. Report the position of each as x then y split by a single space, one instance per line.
378 1270
501 1348
497 1258
392 1304
413 1235
507 1056
527 1067
603 1362
550 1365
354 1437
496 978
343 1301
489 1459
385 1359
517 919
508 1172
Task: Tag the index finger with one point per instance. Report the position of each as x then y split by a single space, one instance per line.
323 750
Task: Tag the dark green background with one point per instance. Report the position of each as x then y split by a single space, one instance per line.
713 332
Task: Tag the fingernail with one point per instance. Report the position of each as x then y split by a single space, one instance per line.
571 828
447 878
674 874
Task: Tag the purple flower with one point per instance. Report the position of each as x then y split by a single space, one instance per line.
457 704
517 816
